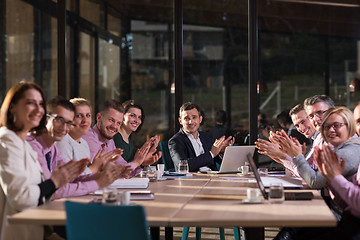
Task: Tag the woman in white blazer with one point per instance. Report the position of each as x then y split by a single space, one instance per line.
22 185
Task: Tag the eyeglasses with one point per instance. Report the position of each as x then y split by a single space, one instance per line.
335 125
318 114
61 121
80 115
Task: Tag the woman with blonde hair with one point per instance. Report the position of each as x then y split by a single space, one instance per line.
73 146
337 129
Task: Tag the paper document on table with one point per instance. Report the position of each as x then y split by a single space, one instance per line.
292 182
130 183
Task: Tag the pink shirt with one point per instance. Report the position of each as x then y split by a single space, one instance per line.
96 142
347 194
288 163
82 185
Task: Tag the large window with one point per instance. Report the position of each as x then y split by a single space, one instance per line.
125 49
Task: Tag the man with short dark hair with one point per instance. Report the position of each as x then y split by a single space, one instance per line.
194 145
272 149
108 123
285 122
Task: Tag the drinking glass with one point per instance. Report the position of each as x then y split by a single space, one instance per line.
183 166
276 193
109 196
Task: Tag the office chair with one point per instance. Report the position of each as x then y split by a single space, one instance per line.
169 164
92 221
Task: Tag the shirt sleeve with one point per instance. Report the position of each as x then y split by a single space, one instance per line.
288 163
78 187
47 188
314 179
348 192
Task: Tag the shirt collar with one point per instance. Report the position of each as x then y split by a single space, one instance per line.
192 136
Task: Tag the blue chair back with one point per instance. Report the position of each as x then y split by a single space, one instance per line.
169 164
95 221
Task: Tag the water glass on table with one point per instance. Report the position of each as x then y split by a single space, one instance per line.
276 193
183 166
109 195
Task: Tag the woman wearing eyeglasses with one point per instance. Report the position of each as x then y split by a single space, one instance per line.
338 129
73 146
21 179
337 168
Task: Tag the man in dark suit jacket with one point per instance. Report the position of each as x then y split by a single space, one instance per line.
194 145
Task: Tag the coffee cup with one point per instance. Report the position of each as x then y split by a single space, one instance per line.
244 169
253 194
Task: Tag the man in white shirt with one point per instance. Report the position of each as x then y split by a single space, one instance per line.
194 145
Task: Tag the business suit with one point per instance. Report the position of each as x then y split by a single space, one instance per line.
181 148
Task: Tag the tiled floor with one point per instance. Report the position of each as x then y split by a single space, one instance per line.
213 233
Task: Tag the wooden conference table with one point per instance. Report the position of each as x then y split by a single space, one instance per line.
208 201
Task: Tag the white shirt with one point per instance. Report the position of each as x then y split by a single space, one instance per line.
198 147
196 143
71 149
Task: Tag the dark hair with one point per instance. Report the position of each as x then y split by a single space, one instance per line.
112 103
132 104
60 101
295 110
319 98
12 97
188 106
284 117
220 116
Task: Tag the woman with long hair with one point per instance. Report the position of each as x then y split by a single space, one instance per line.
134 117
21 180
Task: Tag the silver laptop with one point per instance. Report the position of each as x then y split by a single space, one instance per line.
235 157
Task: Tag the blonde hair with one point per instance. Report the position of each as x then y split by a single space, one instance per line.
80 102
347 116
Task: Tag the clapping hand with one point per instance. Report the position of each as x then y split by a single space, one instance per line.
289 145
271 149
328 163
101 159
67 172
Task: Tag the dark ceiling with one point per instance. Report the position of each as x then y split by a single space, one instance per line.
327 17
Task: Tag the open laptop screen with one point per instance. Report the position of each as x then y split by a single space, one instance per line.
235 157
288 195
257 176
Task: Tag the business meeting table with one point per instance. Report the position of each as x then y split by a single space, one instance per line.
205 201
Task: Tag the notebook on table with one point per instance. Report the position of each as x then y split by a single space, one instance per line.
235 157
288 195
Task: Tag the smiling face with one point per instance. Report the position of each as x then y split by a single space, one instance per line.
28 110
58 129
82 121
109 123
316 113
190 121
132 120
335 130
302 124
